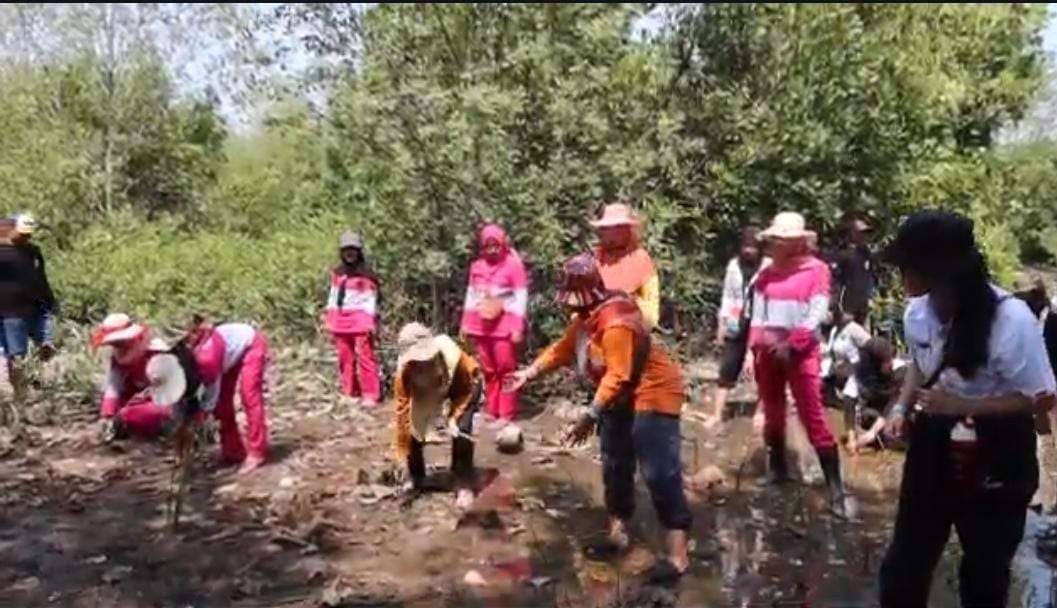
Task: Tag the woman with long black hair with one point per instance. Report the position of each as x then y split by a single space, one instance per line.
978 374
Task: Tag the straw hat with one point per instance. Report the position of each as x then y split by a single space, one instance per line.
616 214
579 283
415 342
116 328
167 379
787 225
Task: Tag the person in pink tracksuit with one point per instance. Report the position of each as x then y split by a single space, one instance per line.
234 355
351 319
790 301
494 316
126 405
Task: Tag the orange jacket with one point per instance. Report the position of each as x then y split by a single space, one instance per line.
614 332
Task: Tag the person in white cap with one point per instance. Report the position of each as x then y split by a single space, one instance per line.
624 263
233 355
351 317
432 370
128 405
26 299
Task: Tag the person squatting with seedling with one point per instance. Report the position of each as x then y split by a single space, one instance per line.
433 371
636 405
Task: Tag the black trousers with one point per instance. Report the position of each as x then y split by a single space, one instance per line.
653 441
461 453
990 525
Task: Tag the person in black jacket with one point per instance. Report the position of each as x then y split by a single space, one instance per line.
24 293
853 270
41 325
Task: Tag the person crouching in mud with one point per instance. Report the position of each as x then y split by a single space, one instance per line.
636 405
431 370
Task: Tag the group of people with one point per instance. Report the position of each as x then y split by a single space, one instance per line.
966 401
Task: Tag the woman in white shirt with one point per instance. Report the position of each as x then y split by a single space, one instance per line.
978 374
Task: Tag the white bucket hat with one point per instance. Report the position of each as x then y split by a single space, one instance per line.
787 225
25 224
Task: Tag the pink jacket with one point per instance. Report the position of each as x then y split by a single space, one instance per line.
220 352
500 283
352 304
789 304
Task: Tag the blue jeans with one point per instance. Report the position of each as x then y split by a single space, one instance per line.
16 332
653 441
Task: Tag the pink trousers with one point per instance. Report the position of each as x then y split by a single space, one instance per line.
248 377
802 374
498 358
140 416
358 366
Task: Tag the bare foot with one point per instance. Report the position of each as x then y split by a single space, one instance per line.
618 533
464 499
252 463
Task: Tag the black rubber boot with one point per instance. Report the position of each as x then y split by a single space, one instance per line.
777 470
829 459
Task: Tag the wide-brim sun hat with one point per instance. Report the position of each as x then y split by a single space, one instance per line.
117 328
787 225
616 214
1029 282
167 379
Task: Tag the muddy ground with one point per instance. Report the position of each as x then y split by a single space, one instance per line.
84 525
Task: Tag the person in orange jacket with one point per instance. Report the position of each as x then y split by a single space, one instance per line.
636 404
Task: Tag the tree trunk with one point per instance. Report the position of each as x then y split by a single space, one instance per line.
109 29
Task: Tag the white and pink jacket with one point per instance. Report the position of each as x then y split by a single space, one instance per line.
219 353
789 304
492 282
352 304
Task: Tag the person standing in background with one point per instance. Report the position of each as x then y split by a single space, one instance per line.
732 330
854 270
624 264
1031 288
351 317
494 316
42 325
25 299
790 302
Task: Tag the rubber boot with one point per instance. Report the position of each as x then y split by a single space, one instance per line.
829 459
777 469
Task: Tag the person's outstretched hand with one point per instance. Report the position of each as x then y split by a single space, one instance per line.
580 431
515 381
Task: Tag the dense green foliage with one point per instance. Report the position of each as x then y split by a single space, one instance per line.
446 116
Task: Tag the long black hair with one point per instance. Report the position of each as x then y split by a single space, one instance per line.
940 247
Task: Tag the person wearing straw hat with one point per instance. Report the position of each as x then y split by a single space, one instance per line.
790 302
127 405
230 356
623 262
494 315
351 317
854 269
432 370
636 405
